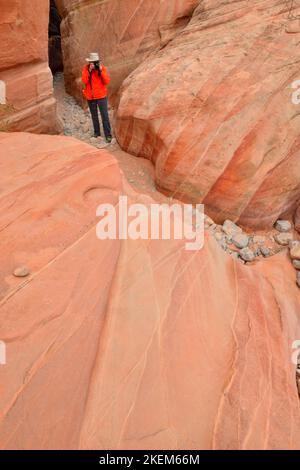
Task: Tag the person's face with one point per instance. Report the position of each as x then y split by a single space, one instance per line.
92 66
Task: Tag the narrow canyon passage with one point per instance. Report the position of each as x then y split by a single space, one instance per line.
76 122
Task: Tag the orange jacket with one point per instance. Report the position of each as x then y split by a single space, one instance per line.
95 88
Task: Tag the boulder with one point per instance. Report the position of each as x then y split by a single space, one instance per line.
296 263
21 271
283 238
230 228
283 225
295 251
240 240
209 111
265 251
247 255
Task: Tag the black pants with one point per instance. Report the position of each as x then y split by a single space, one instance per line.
102 104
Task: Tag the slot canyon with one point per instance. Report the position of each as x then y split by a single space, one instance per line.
142 344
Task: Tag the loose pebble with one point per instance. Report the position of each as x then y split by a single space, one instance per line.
283 238
230 228
283 225
247 255
240 240
21 271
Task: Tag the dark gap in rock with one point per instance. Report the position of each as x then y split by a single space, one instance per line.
55 51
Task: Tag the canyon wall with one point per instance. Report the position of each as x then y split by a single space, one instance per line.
124 33
132 344
214 112
28 102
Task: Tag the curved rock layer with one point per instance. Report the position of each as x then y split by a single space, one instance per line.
132 344
215 112
27 102
124 32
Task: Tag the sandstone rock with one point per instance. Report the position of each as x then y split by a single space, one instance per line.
295 251
265 251
230 228
283 238
296 263
283 225
73 364
125 33
247 255
24 68
240 240
257 252
21 271
298 278
217 140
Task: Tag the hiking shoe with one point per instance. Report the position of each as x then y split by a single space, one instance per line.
108 139
95 136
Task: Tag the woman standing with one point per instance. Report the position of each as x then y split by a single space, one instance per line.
95 78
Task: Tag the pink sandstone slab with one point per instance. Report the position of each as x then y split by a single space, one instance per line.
131 344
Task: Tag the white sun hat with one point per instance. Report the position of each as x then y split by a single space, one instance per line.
94 57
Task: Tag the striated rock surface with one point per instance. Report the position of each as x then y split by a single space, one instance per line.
132 344
215 114
124 32
29 104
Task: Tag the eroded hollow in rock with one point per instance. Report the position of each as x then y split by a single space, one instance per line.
55 51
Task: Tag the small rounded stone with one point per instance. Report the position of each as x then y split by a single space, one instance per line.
283 225
21 271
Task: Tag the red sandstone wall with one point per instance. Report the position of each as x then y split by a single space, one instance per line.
24 67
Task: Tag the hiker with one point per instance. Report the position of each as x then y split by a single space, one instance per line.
95 78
